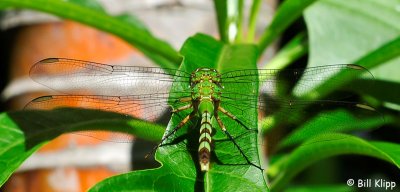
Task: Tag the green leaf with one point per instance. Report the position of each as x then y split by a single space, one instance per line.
324 188
287 13
388 71
362 32
296 48
329 145
133 20
12 147
133 34
179 159
344 31
382 90
374 58
23 132
334 121
158 59
94 4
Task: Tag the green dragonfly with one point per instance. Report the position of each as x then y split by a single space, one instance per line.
204 95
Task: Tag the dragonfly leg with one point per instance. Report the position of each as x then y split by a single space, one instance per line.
180 125
184 100
182 108
223 128
227 113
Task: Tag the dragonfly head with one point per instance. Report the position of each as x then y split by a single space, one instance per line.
205 74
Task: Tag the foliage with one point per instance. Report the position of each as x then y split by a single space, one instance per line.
337 32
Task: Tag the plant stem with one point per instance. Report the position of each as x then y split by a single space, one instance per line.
255 8
287 13
292 51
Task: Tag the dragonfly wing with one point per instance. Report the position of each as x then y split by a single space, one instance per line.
304 79
312 118
141 92
146 107
290 110
83 77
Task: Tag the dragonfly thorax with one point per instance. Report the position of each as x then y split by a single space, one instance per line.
206 85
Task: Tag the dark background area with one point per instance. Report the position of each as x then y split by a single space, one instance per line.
7 38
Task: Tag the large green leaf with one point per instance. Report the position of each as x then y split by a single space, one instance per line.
344 31
355 31
179 159
386 52
325 146
156 49
382 90
23 132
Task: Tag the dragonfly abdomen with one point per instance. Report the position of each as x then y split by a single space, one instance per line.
206 91
205 141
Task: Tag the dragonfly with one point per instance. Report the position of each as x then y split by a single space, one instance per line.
219 102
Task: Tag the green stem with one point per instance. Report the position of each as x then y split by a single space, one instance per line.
239 22
292 51
229 17
287 13
221 14
255 8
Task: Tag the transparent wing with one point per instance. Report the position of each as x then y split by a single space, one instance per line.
84 77
146 107
141 92
288 109
269 81
304 79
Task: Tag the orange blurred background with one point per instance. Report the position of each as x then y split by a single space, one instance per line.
66 39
